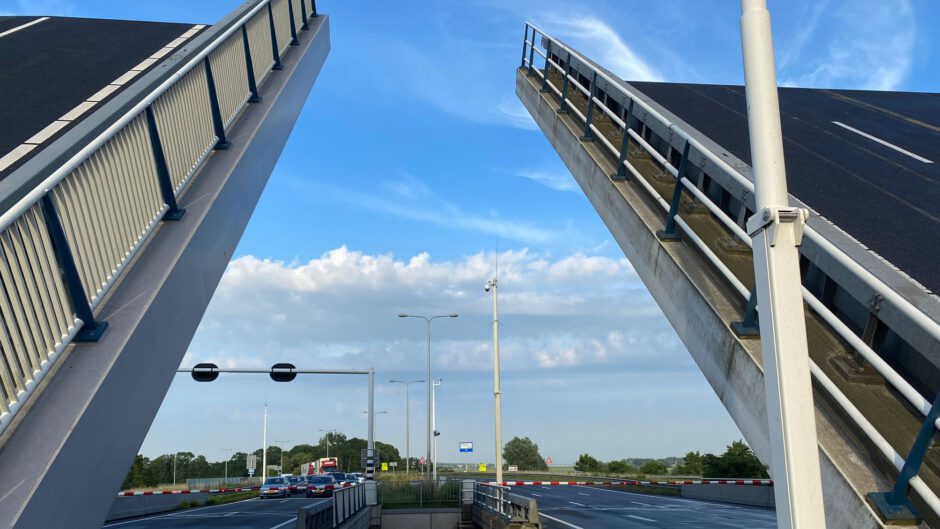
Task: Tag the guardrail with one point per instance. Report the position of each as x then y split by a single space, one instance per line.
65 242
558 58
347 502
512 508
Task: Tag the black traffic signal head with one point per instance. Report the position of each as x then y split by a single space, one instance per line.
205 372
283 372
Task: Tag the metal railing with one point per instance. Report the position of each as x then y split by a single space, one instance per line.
65 242
512 508
418 494
558 57
347 502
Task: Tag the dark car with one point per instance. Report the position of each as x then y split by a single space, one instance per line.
302 484
275 487
293 484
321 486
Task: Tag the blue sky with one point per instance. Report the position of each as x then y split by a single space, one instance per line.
411 155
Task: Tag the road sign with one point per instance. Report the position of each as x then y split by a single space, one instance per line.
548 460
384 467
251 472
466 446
513 468
422 461
251 462
482 467
393 464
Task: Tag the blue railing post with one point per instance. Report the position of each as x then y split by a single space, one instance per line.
588 136
670 234
548 55
531 51
163 171
313 8
274 50
748 326
293 27
621 173
894 505
91 329
217 123
249 68
303 15
563 107
525 43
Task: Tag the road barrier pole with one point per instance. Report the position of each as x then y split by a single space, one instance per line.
777 231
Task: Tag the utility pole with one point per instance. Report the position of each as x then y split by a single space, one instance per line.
777 231
264 447
492 285
226 461
434 432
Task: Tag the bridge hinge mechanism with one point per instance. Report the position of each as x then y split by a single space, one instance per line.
772 218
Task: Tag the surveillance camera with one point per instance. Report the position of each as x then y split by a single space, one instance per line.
486 287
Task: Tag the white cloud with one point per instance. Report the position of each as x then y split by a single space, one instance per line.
559 181
341 309
863 45
598 41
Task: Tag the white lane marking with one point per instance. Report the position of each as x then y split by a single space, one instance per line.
11 490
641 503
122 80
103 93
18 152
677 499
177 514
547 488
537 495
640 518
24 26
47 132
883 142
559 520
578 504
144 64
292 520
583 494
79 109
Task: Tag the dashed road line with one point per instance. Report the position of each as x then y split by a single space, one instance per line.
640 518
578 504
883 142
23 26
583 494
559 520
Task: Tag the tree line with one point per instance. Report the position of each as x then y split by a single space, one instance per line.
738 461
146 472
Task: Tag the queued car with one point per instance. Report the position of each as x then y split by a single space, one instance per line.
275 487
320 486
302 484
359 477
342 478
293 484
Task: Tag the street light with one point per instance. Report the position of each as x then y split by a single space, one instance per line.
327 438
278 443
364 412
492 285
226 462
407 421
428 320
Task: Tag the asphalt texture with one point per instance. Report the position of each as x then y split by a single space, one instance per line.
47 69
576 507
887 200
256 513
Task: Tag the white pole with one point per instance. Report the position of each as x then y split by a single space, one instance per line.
427 462
776 230
434 423
264 447
496 389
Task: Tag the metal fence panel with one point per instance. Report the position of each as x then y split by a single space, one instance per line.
259 42
229 72
120 180
184 118
281 11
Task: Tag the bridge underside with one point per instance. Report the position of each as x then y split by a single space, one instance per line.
69 451
700 305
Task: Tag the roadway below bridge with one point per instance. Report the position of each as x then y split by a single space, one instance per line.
255 513
583 507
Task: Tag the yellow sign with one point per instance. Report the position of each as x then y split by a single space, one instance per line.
482 467
384 467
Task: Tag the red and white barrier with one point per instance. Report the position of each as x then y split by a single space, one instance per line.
166 492
751 482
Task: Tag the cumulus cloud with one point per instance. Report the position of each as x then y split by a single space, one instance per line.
862 45
341 308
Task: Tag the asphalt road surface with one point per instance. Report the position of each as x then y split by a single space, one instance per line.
867 161
576 507
270 513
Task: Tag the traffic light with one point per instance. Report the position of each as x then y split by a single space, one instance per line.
283 372
205 372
